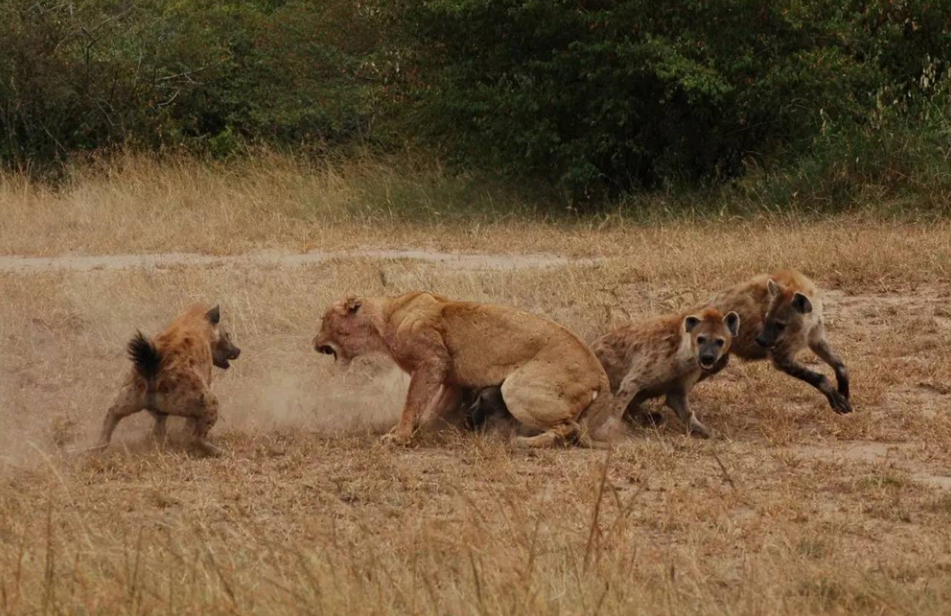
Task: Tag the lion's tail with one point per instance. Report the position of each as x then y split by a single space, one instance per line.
145 357
596 416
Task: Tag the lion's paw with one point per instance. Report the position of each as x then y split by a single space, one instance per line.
396 438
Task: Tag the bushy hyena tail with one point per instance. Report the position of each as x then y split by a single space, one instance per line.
145 356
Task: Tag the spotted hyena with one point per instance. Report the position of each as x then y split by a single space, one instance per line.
782 314
665 356
171 375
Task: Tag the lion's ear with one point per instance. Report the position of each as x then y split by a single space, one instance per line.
353 304
214 315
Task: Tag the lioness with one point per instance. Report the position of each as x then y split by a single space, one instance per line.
171 375
549 378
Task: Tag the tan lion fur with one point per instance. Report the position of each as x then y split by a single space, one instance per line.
549 378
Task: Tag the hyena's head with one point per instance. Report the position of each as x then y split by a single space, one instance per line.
348 331
784 316
711 333
223 350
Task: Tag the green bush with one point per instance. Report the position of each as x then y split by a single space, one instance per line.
637 93
827 98
86 75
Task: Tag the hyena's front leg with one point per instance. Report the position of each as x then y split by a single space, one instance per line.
637 414
677 401
820 346
839 403
130 400
204 422
626 400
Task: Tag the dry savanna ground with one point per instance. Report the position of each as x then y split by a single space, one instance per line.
792 510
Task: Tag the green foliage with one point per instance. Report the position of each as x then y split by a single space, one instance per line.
820 99
84 75
638 93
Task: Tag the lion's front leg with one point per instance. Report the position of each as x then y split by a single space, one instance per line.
425 390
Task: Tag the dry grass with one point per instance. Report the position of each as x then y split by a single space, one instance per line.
796 510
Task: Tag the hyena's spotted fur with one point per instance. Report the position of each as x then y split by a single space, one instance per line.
782 314
665 356
171 375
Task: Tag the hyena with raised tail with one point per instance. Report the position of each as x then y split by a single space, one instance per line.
171 375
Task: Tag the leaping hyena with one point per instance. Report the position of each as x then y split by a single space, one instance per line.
665 356
171 375
782 314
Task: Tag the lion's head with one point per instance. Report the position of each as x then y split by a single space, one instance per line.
347 331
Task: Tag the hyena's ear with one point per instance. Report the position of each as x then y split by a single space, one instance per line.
732 321
214 315
690 323
801 303
352 305
772 287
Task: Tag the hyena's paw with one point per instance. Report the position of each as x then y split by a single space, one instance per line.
698 429
209 449
839 403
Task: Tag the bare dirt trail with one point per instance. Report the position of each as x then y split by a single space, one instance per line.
454 261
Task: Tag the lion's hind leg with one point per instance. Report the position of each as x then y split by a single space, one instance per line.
548 402
560 435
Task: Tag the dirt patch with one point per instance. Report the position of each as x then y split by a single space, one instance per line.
941 482
453 261
853 451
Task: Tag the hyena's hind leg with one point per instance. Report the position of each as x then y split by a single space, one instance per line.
160 427
820 346
130 400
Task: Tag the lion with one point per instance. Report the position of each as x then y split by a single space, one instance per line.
549 379
171 375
